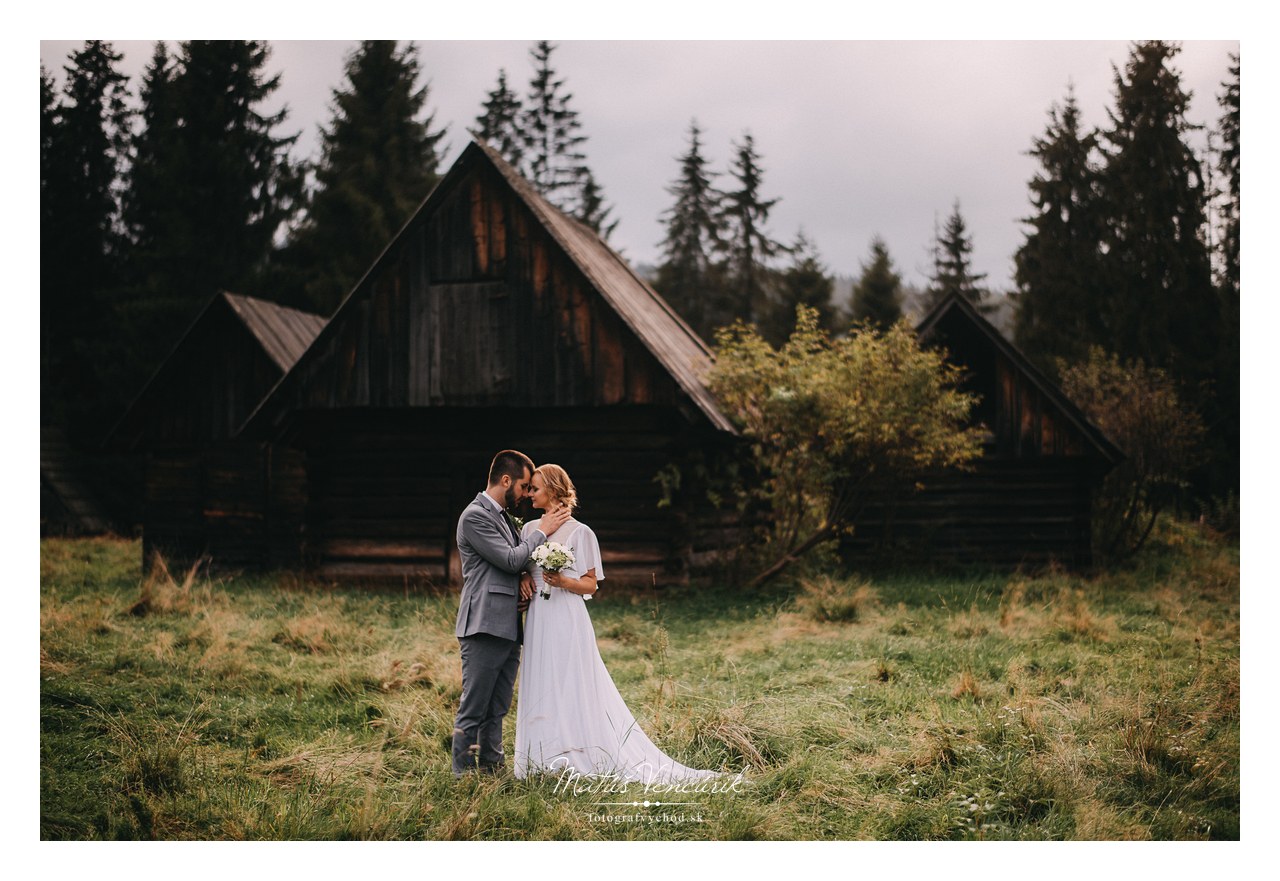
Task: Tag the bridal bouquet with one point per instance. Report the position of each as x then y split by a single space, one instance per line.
552 556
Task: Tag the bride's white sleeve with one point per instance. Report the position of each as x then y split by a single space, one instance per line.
588 556
525 531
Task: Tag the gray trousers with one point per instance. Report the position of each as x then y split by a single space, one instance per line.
489 665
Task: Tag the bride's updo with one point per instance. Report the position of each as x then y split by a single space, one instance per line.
557 483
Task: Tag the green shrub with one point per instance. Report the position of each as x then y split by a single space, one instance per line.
1140 410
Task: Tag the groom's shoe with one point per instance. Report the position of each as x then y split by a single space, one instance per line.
498 769
483 770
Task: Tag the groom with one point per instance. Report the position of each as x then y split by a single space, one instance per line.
489 629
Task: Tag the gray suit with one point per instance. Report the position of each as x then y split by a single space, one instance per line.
489 630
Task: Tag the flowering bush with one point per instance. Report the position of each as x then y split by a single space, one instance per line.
1139 409
835 424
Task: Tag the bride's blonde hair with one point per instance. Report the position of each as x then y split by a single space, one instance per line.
557 482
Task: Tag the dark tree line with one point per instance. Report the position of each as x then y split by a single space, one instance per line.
83 150
211 184
152 202
147 213
1118 256
720 264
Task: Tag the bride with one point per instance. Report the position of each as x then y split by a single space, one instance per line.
569 713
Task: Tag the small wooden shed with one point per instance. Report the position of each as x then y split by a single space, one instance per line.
491 321
1028 499
206 490
68 506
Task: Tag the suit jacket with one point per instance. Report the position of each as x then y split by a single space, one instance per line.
492 560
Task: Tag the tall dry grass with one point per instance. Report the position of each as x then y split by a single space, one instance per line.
1046 705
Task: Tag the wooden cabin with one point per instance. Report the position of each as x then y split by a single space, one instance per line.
1027 501
207 491
491 321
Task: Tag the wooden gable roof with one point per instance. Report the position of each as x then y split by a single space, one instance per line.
659 327
955 308
366 356
229 327
283 332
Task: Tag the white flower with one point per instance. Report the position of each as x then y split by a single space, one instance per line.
553 556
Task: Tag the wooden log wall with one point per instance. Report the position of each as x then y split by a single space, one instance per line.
173 520
239 503
386 487
1028 425
1005 513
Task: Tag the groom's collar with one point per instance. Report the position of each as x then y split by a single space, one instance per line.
492 503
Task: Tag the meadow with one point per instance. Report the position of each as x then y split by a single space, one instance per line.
882 705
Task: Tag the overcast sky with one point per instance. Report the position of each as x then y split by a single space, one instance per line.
857 138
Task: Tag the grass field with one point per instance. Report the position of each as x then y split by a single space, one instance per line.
892 706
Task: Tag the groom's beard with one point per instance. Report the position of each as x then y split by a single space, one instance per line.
512 501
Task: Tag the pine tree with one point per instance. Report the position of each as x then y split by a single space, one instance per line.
1161 306
552 141
248 187
48 122
152 207
499 124
153 307
379 160
1057 269
1225 413
554 161
688 277
592 209
806 282
1229 166
213 188
84 142
747 247
952 266
877 295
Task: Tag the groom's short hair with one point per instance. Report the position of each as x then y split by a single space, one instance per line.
513 463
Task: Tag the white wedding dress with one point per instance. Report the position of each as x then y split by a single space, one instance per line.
569 713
